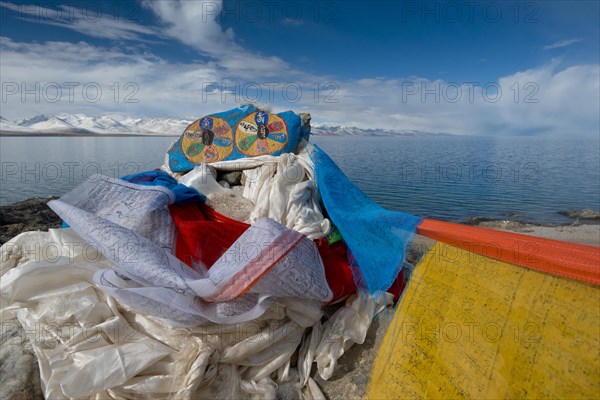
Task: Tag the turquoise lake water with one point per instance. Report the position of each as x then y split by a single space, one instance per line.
448 177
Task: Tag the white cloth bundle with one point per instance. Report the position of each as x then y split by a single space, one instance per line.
87 294
90 346
281 188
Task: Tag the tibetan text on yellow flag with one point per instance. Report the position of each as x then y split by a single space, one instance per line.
472 327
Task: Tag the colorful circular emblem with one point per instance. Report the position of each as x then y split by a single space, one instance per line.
260 133
209 139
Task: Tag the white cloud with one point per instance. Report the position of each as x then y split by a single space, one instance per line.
546 99
194 23
160 88
90 22
560 44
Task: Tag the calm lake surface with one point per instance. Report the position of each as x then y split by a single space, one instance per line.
448 178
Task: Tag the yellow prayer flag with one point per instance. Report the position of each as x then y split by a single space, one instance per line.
469 326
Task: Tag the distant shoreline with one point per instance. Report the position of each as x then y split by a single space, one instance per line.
92 134
577 218
34 214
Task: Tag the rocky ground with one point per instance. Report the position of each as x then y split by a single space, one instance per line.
585 228
29 215
19 375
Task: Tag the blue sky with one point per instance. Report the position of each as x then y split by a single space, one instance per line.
481 67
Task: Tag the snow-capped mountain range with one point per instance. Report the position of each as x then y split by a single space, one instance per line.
337 130
117 124
83 124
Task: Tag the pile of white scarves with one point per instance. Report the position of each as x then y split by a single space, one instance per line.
89 345
280 187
